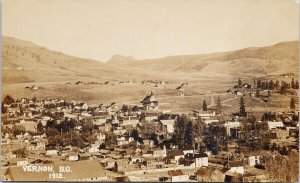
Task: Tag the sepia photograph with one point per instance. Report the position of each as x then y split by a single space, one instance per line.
150 91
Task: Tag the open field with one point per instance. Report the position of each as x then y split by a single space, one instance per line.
208 76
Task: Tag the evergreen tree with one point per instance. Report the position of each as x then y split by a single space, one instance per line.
292 103
258 84
239 82
219 105
293 84
277 84
8 100
188 133
204 108
40 128
283 88
242 108
257 93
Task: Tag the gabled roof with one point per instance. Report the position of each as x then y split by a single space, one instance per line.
175 172
177 152
235 163
192 156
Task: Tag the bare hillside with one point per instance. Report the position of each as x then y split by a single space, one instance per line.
282 57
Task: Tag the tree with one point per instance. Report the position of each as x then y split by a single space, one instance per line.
258 84
271 85
3 108
239 82
297 85
292 103
134 134
40 128
219 105
242 108
283 88
189 133
257 93
8 100
269 93
293 84
179 131
277 84
204 108
22 152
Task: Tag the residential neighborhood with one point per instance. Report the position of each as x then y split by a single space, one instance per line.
140 142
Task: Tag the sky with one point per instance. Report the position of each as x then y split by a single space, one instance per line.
99 29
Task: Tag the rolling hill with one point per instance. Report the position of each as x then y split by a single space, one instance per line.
282 57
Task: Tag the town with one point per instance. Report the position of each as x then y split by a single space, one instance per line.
59 140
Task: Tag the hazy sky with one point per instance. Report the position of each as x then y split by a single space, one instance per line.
98 29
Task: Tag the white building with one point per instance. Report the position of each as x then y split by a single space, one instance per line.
169 124
231 124
275 124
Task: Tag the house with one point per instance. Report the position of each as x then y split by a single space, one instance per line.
235 166
151 116
279 135
178 176
231 124
122 141
188 149
175 155
80 171
108 163
204 114
168 125
233 177
160 152
252 160
196 160
72 156
119 131
100 120
121 165
150 103
237 92
130 121
94 147
101 137
36 146
51 152
247 85
275 124
210 174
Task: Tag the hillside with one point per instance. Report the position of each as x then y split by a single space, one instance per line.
26 62
282 57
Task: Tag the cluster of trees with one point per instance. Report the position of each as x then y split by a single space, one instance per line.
216 139
268 116
56 115
15 130
7 100
185 131
282 168
267 85
271 85
67 125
